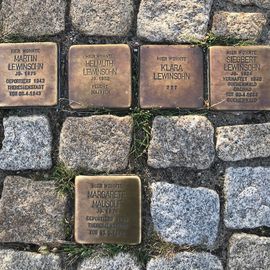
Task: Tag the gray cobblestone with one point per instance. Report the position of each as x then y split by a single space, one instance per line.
102 18
122 261
21 260
27 144
181 141
247 26
250 252
243 142
173 20
186 260
184 215
32 17
98 143
247 194
31 212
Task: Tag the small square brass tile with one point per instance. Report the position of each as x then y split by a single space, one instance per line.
171 76
240 78
108 209
100 76
28 74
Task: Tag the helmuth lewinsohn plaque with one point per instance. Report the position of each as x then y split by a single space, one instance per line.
240 78
107 209
28 74
100 76
171 76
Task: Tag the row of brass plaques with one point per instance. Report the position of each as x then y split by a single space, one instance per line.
171 76
108 209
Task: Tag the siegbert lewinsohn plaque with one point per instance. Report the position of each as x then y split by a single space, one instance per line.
100 76
28 74
108 209
240 78
171 76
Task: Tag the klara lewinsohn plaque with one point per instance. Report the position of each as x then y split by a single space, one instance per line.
28 74
100 76
240 78
171 76
108 209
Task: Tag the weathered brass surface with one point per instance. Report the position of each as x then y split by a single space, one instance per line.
108 209
240 78
100 76
171 76
28 74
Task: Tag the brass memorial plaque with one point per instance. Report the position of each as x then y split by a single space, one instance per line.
28 74
108 209
171 76
240 78
100 76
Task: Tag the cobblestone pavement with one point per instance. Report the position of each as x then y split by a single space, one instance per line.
205 173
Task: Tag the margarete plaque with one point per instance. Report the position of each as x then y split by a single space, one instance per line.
171 76
240 78
100 76
108 209
28 74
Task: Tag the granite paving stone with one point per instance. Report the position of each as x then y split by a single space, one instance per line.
32 18
249 252
173 20
31 212
242 142
181 141
247 195
186 260
21 260
98 143
121 261
27 143
102 18
239 25
184 215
